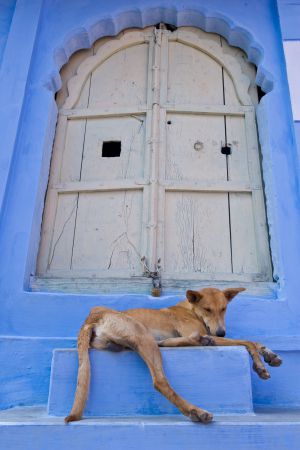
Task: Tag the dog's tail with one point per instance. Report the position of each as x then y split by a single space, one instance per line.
84 373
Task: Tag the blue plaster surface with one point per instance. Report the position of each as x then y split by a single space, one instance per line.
43 34
282 389
26 363
289 11
31 429
6 13
216 379
62 28
297 133
25 369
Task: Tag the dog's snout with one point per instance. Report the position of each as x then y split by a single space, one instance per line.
220 332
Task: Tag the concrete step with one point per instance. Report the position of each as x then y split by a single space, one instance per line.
31 429
216 378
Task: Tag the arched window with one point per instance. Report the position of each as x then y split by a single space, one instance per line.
156 157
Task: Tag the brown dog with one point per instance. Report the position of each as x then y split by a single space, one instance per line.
198 320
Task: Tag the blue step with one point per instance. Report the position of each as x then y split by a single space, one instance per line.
32 429
216 378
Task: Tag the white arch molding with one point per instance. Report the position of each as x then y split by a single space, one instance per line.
217 53
207 20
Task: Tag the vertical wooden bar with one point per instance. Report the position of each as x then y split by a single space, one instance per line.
259 212
145 234
163 146
154 149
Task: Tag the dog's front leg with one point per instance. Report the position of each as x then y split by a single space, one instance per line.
269 356
254 351
195 339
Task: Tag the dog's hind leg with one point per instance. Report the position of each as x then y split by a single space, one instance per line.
122 330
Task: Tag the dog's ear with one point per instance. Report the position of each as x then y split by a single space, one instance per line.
193 296
232 292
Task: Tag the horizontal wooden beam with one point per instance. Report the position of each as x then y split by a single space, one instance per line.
226 110
226 186
94 113
121 185
96 186
175 279
111 285
87 113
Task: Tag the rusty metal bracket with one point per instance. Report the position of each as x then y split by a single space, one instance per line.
155 275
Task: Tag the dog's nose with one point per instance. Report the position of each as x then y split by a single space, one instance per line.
220 332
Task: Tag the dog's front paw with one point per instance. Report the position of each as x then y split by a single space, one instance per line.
261 371
207 340
271 358
200 415
198 339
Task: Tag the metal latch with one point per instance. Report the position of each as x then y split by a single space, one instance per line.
155 275
226 149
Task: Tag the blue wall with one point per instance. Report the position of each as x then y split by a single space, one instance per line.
49 35
6 14
42 36
297 132
289 12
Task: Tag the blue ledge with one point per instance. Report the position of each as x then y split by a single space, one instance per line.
217 379
32 429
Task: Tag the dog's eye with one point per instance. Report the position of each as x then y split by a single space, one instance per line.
223 310
207 310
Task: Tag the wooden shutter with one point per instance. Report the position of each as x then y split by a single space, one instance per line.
168 102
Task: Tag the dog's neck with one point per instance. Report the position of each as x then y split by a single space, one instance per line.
185 304
188 307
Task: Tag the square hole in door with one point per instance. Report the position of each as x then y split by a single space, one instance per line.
111 149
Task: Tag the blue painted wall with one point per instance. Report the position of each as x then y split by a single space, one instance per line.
56 30
297 133
42 36
289 14
7 8
289 11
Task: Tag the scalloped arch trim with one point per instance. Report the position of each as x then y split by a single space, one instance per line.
209 21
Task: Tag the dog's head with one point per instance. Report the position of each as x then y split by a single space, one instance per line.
210 304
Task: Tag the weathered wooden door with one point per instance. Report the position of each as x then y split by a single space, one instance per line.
156 156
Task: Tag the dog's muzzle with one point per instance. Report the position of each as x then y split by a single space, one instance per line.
220 332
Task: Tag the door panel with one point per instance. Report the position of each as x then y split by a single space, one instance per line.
121 80
243 234
129 133
194 78
63 233
108 233
230 97
197 236
194 148
239 160
72 153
